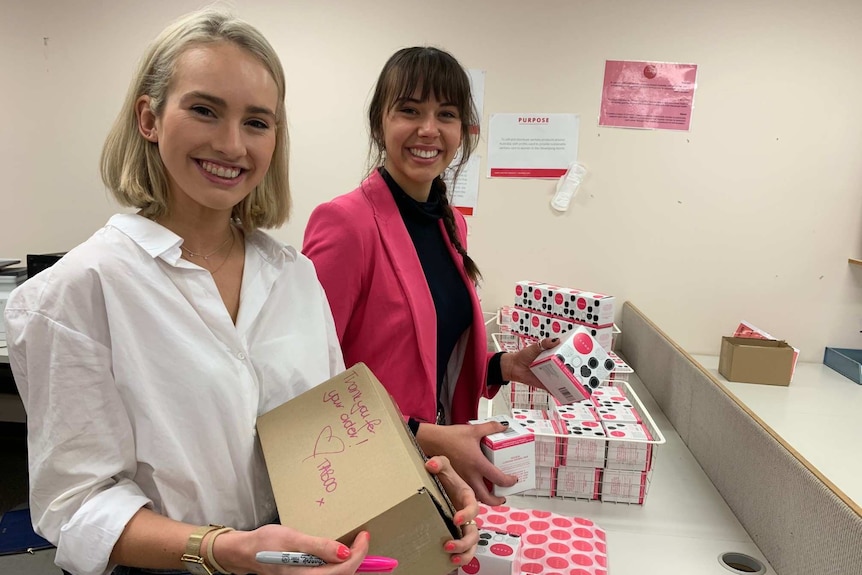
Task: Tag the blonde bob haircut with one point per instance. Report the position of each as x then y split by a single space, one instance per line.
132 167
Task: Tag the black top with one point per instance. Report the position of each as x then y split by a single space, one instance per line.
451 298
452 303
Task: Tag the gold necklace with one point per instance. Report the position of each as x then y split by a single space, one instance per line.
227 257
212 253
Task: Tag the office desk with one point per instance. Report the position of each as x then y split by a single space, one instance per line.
11 408
683 526
818 415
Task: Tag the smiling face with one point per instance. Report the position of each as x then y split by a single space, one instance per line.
216 131
421 139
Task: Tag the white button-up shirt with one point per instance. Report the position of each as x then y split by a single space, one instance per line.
141 391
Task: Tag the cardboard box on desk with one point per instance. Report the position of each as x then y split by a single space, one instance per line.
750 360
341 460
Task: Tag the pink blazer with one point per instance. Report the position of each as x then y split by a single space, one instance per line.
383 310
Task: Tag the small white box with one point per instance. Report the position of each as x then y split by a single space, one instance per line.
564 302
547 442
521 321
494 555
585 444
628 448
543 298
604 335
573 369
624 486
545 479
610 395
618 413
513 452
578 482
524 295
579 411
592 309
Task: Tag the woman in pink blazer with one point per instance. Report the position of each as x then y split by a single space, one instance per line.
392 258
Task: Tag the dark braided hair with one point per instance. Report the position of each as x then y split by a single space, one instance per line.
430 71
452 230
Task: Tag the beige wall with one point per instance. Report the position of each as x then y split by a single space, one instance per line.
750 215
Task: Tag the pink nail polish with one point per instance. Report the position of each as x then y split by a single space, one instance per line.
343 552
450 547
456 559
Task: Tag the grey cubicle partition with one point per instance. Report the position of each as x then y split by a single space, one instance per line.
798 519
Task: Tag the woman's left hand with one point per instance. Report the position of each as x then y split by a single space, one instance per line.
516 365
466 510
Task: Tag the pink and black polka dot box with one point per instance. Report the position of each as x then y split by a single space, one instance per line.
551 544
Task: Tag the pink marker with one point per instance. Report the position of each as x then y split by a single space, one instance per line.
371 563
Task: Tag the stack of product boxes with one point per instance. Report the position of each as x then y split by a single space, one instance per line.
545 310
597 448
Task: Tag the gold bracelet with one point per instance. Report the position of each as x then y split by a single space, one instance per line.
210 554
195 564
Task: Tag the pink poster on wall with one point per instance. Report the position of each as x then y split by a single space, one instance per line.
648 95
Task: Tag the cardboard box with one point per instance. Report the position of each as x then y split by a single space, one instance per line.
751 360
341 460
745 329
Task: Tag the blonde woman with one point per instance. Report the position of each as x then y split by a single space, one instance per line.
146 354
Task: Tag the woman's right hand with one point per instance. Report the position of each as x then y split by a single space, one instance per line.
461 444
236 551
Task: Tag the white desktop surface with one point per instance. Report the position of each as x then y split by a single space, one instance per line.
819 415
683 526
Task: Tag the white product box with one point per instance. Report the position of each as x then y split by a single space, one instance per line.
592 309
513 452
544 325
524 295
564 302
529 415
543 298
604 335
610 395
540 325
547 441
624 486
521 321
579 411
505 321
618 413
495 553
628 448
585 444
622 371
545 479
573 369
523 396
583 482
